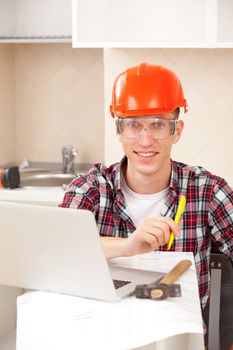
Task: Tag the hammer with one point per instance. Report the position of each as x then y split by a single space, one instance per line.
163 287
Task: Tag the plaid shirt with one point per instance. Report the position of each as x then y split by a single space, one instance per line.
208 215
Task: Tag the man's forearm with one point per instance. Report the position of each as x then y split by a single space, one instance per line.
113 246
153 233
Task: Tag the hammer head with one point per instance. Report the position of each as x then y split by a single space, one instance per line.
164 287
157 291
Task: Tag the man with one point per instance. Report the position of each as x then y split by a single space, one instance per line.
135 201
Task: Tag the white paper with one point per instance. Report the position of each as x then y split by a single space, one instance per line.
48 321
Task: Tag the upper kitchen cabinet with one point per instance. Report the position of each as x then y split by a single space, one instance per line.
35 21
225 23
152 23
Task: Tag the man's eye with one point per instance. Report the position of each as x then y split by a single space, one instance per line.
159 125
134 124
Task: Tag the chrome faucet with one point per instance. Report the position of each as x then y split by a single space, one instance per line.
68 156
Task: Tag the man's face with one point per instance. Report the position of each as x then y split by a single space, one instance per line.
149 152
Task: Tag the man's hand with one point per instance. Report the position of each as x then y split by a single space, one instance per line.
153 233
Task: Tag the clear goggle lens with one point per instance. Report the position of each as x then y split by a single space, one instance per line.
158 128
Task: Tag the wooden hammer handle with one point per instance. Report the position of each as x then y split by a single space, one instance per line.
176 272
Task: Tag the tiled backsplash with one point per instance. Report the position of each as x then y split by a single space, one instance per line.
52 95
207 79
58 100
7 115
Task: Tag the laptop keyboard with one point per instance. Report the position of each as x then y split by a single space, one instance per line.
120 283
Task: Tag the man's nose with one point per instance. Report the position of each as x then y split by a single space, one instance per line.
145 137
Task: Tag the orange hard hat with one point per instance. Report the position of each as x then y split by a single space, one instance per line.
146 89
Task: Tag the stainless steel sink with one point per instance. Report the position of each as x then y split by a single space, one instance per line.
44 178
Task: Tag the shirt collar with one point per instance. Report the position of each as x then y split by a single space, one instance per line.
117 178
168 208
174 177
173 182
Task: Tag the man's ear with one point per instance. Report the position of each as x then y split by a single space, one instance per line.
178 132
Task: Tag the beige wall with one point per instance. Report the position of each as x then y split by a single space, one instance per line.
58 100
207 79
7 111
51 95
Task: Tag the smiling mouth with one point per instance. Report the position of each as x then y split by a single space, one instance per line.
146 154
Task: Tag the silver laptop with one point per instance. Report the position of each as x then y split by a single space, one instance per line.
59 250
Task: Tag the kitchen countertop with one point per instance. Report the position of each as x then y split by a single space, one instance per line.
33 195
49 195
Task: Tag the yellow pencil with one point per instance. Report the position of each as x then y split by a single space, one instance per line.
179 212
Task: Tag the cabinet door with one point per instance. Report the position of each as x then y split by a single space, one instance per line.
7 17
225 23
27 20
43 18
139 23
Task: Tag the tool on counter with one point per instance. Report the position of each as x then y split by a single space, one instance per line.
179 212
164 287
9 177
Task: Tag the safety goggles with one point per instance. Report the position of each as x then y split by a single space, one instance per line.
158 128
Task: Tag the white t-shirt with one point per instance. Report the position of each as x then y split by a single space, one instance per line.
141 206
